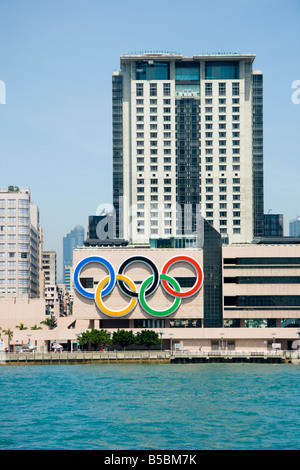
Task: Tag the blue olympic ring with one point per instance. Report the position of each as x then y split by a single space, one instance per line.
94 259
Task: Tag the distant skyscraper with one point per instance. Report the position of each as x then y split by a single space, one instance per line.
20 239
187 135
295 227
273 225
72 240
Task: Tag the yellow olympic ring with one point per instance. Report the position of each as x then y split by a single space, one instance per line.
115 313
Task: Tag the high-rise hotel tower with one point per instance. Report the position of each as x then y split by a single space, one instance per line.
187 139
20 245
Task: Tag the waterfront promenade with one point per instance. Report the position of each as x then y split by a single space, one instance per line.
147 357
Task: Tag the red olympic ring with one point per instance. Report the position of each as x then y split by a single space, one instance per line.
197 268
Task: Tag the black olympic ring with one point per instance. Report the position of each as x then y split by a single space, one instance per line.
138 259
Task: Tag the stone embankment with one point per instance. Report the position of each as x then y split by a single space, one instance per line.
149 357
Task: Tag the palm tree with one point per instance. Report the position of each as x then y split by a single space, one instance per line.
9 334
21 326
35 327
50 322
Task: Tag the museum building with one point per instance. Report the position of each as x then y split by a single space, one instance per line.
210 297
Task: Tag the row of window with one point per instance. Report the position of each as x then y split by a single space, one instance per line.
12 281
21 246
152 102
222 167
223 205
153 127
209 143
167 109
154 181
208 135
222 89
222 180
13 236
153 143
167 197
153 118
153 89
222 117
13 202
12 290
154 189
12 228
222 101
223 189
154 223
224 214
154 231
13 210
13 272
21 220
154 197
235 89
12 254
21 264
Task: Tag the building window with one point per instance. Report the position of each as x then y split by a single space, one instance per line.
166 89
235 89
208 89
222 89
87 282
153 89
139 89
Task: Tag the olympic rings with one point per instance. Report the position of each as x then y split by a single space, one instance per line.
198 270
142 259
128 287
114 313
94 259
160 313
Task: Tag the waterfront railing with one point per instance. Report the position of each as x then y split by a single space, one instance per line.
140 356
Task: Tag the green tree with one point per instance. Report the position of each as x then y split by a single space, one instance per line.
147 338
97 338
123 338
35 327
21 326
12 188
9 333
50 322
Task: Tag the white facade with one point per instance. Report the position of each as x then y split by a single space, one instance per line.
19 244
49 260
223 147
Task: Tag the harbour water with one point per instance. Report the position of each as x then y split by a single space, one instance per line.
150 407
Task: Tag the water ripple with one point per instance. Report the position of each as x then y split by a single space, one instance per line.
193 406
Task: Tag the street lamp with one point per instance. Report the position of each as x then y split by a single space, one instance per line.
222 342
161 332
171 334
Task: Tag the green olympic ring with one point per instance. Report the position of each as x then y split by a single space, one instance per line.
159 313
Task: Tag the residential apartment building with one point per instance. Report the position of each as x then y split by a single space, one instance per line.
49 265
57 301
19 244
187 139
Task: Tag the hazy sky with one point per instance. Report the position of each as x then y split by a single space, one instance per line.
57 58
